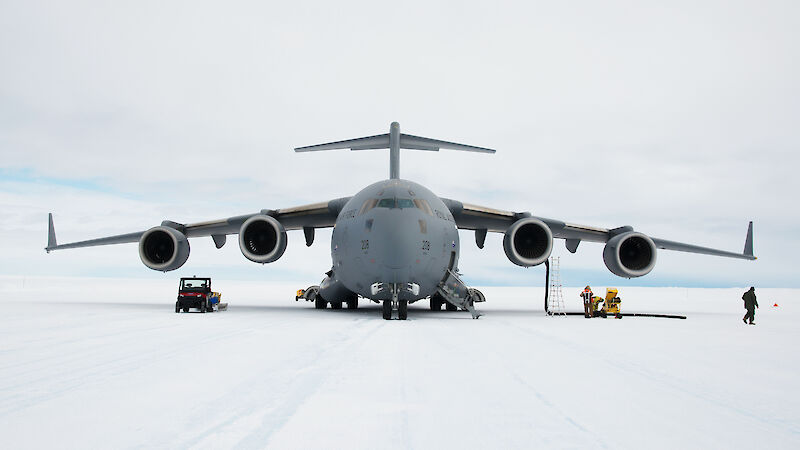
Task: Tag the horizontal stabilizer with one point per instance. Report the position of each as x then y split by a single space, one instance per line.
423 143
364 143
394 141
381 141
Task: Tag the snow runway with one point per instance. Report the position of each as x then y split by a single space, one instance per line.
80 368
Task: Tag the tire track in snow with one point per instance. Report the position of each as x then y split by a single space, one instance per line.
664 381
74 378
469 352
242 405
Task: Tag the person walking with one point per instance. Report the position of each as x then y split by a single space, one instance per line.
750 304
587 301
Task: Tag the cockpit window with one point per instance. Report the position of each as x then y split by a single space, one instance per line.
405 203
369 204
396 203
386 203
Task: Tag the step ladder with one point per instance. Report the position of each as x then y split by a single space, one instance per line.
556 297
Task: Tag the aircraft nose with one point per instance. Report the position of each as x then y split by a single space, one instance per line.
401 235
396 236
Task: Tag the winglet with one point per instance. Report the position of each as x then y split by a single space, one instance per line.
748 242
51 234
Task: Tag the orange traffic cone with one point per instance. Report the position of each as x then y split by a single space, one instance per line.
775 305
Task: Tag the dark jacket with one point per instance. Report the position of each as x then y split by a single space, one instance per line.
749 298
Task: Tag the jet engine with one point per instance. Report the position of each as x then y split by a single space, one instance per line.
262 239
163 248
528 242
630 255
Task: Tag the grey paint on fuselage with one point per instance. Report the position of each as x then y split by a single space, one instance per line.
399 240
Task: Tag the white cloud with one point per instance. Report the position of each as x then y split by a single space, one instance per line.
678 119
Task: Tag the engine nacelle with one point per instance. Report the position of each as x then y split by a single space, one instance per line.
528 242
630 255
163 248
262 239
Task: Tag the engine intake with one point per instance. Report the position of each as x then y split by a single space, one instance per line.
528 242
630 255
262 239
163 248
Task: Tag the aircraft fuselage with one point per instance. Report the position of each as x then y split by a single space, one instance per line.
393 233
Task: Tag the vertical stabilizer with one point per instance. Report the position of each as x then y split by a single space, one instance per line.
394 151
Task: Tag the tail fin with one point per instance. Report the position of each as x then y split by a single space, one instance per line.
394 141
51 234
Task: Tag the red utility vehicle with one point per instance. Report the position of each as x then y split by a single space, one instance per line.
196 292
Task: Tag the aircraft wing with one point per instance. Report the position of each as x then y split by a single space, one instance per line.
483 219
317 215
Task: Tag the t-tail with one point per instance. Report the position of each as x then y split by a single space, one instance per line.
394 141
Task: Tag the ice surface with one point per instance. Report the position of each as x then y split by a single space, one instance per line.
99 363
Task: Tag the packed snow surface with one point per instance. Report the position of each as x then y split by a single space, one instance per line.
98 363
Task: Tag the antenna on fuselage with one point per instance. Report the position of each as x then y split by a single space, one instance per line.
394 141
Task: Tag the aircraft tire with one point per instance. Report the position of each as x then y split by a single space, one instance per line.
336 305
450 307
402 310
353 304
436 303
387 309
319 302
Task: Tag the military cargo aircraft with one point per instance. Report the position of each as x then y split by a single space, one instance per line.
395 242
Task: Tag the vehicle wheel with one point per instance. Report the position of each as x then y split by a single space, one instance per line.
450 306
402 310
203 307
387 309
177 307
185 309
436 303
336 305
319 302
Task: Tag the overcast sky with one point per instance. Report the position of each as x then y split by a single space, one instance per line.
678 118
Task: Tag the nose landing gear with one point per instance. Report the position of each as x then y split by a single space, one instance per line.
400 305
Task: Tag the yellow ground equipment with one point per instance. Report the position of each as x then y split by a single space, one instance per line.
595 305
611 304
